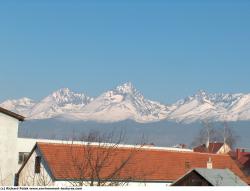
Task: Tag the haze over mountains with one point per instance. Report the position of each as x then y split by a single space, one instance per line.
126 102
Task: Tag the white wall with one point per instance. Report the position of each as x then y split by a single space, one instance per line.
8 149
28 177
224 149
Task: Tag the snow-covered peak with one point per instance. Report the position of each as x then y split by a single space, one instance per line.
212 106
21 106
200 97
59 102
121 103
122 93
66 96
126 88
126 102
201 92
22 101
218 99
61 92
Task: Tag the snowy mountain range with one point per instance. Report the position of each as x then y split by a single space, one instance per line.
125 102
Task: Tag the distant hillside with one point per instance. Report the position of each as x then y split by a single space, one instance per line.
162 133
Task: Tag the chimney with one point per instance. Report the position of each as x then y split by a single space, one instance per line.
239 153
209 163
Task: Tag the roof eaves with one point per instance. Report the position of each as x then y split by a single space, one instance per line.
12 114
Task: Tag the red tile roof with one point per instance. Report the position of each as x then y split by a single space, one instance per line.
212 148
245 161
145 164
243 158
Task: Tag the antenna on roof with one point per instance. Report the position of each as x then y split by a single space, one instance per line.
208 128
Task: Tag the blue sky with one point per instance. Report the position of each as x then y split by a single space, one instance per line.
167 49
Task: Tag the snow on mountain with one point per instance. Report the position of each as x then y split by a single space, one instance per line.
240 110
125 102
59 102
21 106
213 107
196 107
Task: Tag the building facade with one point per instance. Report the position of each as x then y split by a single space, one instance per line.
8 145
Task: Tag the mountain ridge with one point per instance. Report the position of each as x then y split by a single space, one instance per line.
126 102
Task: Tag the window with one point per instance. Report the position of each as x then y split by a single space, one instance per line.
22 157
37 164
187 165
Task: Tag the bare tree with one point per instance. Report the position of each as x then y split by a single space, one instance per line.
102 163
229 136
211 134
207 134
30 178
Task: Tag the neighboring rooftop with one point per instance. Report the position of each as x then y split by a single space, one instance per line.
12 114
212 177
220 177
242 155
146 164
212 148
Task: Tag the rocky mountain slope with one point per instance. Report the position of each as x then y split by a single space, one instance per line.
125 102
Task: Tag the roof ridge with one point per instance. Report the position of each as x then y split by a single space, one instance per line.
133 147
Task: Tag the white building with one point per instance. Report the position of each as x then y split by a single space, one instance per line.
9 122
13 150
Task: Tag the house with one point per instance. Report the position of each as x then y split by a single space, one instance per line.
209 177
65 164
9 123
216 148
14 150
242 156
